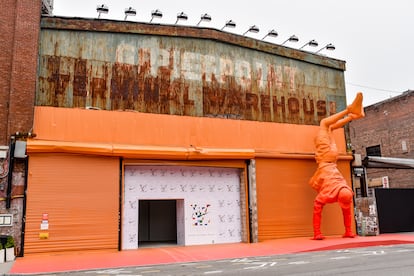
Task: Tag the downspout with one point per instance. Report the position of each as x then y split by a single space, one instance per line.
10 175
249 201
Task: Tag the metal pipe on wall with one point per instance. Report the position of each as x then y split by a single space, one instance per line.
10 175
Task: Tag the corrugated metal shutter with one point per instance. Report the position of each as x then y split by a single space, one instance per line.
78 196
285 200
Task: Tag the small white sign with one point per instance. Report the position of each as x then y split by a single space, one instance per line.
385 182
6 220
44 225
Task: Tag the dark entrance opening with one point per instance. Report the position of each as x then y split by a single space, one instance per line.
395 209
157 223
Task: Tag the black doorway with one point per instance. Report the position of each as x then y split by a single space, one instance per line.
157 222
395 209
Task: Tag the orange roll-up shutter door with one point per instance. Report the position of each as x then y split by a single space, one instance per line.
285 200
72 203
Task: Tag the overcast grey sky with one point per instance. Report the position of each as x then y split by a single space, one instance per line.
375 38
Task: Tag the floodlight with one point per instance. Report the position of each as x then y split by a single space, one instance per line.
311 43
181 16
155 14
229 24
253 29
271 33
102 9
130 12
204 17
328 46
292 38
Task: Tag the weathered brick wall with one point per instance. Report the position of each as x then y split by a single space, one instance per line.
19 28
6 45
389 124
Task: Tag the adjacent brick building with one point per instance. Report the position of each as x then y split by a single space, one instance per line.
388 131
19 28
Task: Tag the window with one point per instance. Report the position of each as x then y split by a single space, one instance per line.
374 150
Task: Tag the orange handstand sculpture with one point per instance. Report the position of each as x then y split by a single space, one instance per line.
327 180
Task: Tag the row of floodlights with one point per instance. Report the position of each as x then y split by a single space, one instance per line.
229 24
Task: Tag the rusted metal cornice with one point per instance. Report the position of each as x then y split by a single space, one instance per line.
114 26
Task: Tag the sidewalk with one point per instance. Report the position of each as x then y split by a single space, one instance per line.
85 260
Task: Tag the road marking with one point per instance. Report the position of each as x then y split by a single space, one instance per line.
259 265
340 258
299 262
117 271
203 266
403 250
263 257
213 272
190 264
381 252
317 256
244 260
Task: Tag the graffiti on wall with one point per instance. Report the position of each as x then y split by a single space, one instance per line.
200 215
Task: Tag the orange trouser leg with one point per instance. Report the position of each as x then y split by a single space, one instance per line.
317 218
348 223
345 201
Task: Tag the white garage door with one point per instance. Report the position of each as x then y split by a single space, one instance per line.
208 205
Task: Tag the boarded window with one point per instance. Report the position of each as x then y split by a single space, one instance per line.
374 150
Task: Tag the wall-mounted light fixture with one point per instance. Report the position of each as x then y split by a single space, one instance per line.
252 29
271 33
312 43
229 24
292 38
181 16
130 12
155 14
204 17
328 46
102 9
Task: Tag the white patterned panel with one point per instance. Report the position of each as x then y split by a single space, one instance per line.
130 224
211 196
229 216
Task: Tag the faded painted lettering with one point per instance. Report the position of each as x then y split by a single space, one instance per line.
177 81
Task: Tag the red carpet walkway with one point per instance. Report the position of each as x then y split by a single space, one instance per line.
61 262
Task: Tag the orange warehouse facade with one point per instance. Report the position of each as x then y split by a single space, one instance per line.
82 161
149 133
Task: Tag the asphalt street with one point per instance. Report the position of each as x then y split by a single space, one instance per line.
376 260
